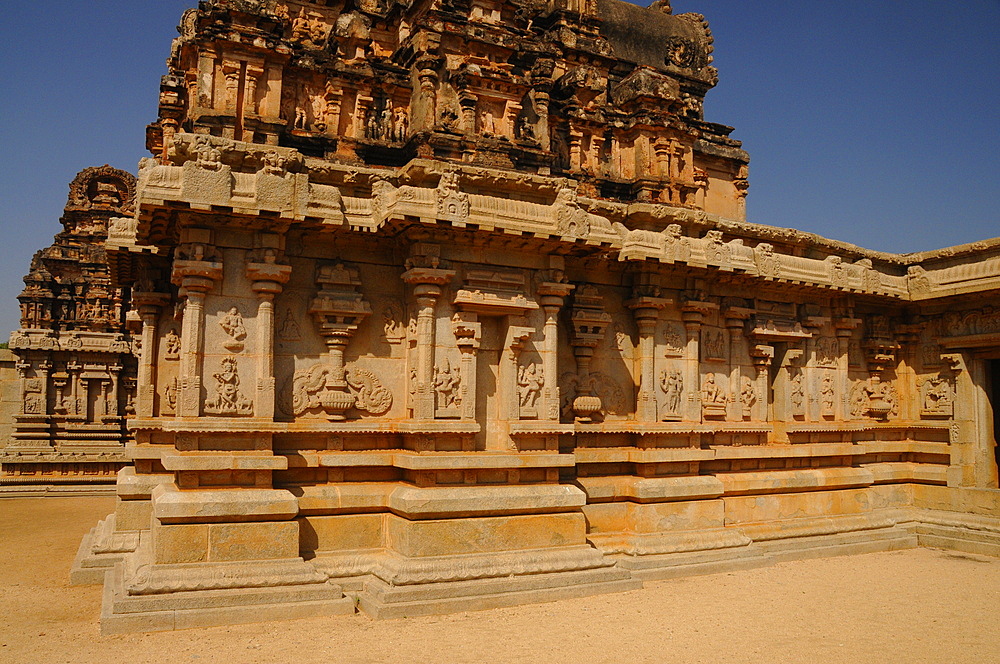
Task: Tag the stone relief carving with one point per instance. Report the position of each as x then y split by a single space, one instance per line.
673 338
873 398
797 394
937 397
768 263
452 203
170 392
967 323
232 325
592 398
529 387
228 399
672 384
308 391
827 394
288 326
571 220
713 397
172 345
827 351
748 395
714 345
447 385
392 324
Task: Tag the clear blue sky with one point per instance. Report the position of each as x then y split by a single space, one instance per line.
874 122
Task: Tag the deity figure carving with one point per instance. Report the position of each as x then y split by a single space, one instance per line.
937 397
289 330
826 351
232 324
228 399
713 397
797 395
672 384
748 395
715 345
172 344
447 383
529 385
673 337
827 396
170 392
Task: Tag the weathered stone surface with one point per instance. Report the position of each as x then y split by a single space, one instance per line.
461 305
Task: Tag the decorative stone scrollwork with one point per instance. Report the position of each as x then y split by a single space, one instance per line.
309 392
768 262
370 395
228 399
591 398
873 398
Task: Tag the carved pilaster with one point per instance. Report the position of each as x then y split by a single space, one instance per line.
427 285
148 305
267 279
552 295
196 278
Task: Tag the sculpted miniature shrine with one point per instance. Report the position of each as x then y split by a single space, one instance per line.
453 305
75 363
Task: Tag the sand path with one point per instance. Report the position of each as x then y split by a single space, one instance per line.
921 605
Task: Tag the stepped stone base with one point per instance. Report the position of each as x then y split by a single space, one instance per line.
100 550
162 611
380 600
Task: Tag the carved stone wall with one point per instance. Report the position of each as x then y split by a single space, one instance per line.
74 353
444 304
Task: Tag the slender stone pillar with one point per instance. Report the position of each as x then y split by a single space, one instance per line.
268 279
552 296
196 278
734 327
427 283
148 306
646 310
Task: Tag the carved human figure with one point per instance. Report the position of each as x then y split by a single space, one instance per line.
289 330
938 394
488 123
529 385
447 380
172 343
672 384
228 399
827 395
301 118
400 125
748 394
711 392
300 26
797 394
232 324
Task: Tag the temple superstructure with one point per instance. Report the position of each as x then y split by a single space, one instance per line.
74 354
450 305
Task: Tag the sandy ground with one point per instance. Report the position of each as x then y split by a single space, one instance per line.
908 606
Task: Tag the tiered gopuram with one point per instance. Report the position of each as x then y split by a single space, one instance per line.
453 304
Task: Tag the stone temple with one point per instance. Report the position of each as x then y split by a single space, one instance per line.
435 306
